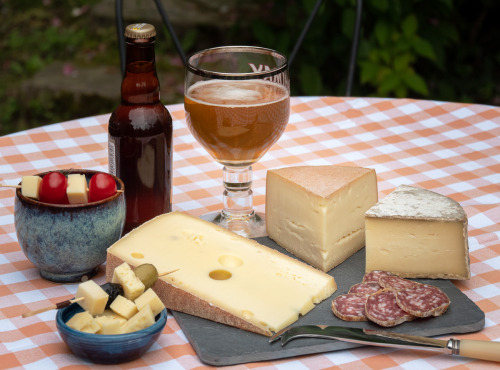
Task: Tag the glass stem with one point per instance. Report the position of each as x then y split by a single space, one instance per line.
238 195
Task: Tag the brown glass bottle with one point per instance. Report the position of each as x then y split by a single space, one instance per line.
140 133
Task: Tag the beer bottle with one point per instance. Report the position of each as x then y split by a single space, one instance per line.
140 133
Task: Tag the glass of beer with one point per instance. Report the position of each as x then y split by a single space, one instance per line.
237 103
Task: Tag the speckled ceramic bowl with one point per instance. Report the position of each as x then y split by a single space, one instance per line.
68 242
108 349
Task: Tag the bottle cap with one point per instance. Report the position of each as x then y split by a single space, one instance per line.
140 31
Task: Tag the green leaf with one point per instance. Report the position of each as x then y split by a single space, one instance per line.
389 83
416 83
410 25
424 48
368 72
400 44
382 32
402 62
401 91
34 64
385 55
310 80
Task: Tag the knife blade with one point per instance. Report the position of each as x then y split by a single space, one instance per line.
478 349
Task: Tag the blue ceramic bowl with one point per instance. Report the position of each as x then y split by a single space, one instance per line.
68 242
108 349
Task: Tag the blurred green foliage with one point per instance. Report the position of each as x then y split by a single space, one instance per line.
441 50
35 34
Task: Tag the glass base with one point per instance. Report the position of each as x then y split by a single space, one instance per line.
253 226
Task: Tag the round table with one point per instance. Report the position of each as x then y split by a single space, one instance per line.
450 148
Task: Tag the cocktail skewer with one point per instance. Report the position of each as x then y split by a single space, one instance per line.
10 186
67 302
19 187
53 307
167 273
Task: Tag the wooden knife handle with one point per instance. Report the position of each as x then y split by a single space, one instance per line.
480 349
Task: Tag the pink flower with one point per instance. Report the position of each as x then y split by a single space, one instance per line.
69 70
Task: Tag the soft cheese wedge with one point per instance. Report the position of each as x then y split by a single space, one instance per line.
222 276
417 233
317 212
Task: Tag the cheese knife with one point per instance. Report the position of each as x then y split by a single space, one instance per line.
478 349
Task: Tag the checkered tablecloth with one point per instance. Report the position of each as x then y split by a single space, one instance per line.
452 149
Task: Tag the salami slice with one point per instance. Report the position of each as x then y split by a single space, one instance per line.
423 300
374 276
365 288
350 307
396 283
382 308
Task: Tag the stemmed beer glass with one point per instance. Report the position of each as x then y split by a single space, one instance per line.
237 103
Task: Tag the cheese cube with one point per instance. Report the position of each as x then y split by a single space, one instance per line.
83 321
95 297
77 189
110 324
30 186
317 212
131 284
124 307
222 276
111 313
150 298
141 320
417 233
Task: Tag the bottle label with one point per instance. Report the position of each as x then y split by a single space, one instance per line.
111 155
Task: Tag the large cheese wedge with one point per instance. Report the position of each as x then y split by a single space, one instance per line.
222 276
317 212
417 233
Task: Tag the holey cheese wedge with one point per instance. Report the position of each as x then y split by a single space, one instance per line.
222 276
318 212
416 233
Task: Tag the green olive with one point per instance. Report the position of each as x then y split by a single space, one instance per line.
146 273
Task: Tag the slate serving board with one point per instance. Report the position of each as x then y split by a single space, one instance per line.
220 345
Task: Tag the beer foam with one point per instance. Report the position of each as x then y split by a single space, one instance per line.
236 93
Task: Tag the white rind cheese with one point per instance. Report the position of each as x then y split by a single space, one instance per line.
418 233
222 276
317 212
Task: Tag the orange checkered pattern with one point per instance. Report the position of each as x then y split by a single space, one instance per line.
452 149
